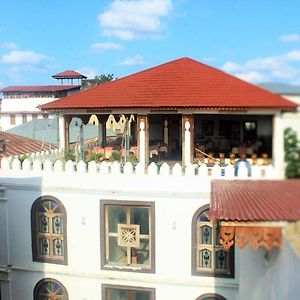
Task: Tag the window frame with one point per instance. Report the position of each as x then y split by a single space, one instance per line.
209 272
36 255
103 243
45 280
12 119
106 287
217 296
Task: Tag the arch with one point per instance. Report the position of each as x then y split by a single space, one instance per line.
50 288
49 230
209 258
211 296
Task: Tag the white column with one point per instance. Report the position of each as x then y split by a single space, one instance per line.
142 140
62 131
278 145
187 143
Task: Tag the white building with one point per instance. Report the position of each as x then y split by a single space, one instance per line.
19 103
182 230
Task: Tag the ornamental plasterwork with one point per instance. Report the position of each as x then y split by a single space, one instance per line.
129 235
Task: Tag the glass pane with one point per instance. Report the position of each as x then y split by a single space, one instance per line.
142 254
114 294
205 258
206 235
53 205
203 217
57 225
43 224
58 247
140 216
116 215
222 260
116 253
44 246
140 295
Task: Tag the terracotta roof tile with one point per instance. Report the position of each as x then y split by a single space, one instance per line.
183 83
40 88
255 200
69 74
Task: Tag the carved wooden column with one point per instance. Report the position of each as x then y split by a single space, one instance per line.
166 132
143 139
64 122
102 120
187 139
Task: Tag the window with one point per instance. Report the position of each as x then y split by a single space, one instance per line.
209 258
50 289
116 292
24 118
12 119
127 235
211 297
49 224
250 130
34 116
45 116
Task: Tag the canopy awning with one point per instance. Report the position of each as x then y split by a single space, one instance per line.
253 212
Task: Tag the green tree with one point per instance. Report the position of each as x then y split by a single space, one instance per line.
292 154
100 79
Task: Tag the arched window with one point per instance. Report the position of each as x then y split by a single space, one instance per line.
211 297
209 258
48 225
50 289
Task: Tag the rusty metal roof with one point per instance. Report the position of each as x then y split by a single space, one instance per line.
255 200
18 145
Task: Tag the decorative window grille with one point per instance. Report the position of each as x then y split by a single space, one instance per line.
48 219
50 289
128 235
209 256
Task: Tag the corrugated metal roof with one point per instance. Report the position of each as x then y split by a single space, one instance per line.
179 84
18 145
39 88
255 200
69 74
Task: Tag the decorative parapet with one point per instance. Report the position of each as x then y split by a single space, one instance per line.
45 164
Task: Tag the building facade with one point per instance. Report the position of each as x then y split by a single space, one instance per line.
173 225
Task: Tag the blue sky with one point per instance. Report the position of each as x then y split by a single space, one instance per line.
257 40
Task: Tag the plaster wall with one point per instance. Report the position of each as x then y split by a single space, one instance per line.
175 201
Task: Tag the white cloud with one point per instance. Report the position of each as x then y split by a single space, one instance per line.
232 67
88 72
293 55
136 60
285 67
134 19
101 47
10 46
18 57
286 38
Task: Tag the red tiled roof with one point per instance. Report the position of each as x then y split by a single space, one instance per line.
69 74
182 83
255 200
39 88
18 145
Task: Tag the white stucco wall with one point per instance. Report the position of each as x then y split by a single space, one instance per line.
176 200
